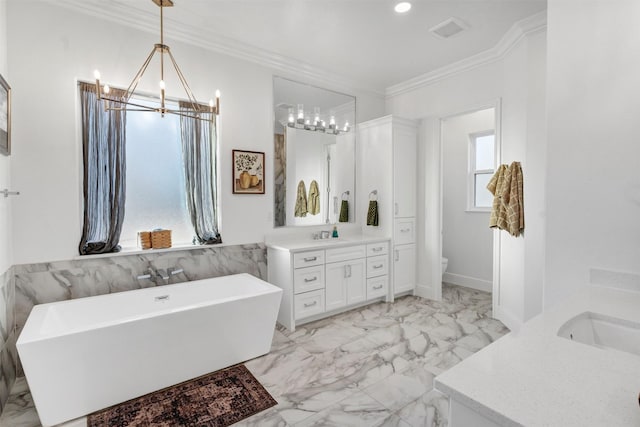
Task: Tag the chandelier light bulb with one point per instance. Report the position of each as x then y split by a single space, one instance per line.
106 89
162 85
96 74
218 93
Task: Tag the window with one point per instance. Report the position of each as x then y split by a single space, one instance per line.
481 170
155 188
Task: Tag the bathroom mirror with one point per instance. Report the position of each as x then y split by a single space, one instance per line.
314 155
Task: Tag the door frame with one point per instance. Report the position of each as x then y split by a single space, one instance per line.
436 278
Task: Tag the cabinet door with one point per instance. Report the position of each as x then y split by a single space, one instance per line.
404 268
356 283
335 285
404 171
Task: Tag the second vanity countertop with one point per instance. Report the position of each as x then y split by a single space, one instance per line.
300 245
533 377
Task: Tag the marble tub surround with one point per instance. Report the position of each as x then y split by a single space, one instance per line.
371 366
90 276
510 381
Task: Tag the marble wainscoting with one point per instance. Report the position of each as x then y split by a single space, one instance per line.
90 276
8 357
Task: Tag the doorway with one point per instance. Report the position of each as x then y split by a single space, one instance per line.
468 162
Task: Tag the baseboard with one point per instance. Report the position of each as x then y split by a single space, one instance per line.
468 282
424 291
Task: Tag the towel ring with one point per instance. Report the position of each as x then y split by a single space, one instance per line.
373 195
345 195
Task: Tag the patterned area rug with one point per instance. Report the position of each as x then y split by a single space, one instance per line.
218 399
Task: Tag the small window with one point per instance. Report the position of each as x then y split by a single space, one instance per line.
481 169
155 188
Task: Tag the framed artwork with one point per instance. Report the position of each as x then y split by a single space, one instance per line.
248 172
5 117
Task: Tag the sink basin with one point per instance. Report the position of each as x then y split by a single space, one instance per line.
603 332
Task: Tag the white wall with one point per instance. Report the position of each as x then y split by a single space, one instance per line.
516 80
467 240
5 162
49 48
593 184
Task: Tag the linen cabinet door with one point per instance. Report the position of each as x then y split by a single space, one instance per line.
335 285
404 268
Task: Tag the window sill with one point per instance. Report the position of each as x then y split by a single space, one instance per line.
134 250
478 210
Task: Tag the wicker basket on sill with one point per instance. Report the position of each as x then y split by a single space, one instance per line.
144 239
161 239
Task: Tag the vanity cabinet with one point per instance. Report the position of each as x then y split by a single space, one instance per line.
388 167
322 281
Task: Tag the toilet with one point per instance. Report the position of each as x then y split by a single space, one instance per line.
445 261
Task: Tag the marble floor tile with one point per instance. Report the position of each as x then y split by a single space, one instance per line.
397 390
372 366
429 410
356 410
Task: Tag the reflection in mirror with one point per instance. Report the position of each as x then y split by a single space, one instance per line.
314 161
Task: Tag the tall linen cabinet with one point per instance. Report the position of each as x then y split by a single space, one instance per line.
387 153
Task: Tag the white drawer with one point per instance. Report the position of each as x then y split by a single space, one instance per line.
346 253
377 287
404 231
308 259
308 279
377 266
381 248
309 304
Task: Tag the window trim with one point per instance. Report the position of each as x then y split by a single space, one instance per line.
472 172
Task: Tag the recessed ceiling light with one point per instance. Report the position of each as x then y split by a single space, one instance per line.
403 7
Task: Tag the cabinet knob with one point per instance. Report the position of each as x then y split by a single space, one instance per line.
376 249
378 266
313 279
375 288
313 258
310 304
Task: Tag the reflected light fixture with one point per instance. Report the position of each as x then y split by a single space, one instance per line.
300 119
403 7
200 111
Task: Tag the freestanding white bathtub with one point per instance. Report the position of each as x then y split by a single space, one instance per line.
86 354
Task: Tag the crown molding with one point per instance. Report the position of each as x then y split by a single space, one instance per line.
140 19
516 33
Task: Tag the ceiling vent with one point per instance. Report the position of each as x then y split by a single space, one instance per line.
448 28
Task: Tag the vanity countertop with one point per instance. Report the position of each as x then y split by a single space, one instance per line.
533 377
299 245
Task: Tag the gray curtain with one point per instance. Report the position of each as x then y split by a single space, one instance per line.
199 155
103 148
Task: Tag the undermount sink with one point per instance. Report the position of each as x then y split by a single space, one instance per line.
603 332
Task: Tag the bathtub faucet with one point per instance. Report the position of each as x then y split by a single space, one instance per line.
158 276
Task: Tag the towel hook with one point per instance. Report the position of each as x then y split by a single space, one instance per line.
8 193
373 195
345 195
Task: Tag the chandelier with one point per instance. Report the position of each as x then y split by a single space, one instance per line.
195 111
304 121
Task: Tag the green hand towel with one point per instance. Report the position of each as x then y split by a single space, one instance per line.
344 211
372 214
